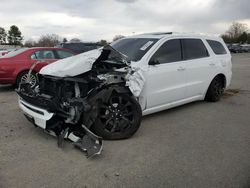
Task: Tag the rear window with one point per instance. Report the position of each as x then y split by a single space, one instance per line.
193 49
15 53
217 47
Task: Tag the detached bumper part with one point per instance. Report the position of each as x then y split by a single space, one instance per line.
90 143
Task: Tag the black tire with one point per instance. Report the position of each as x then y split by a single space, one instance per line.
215 90
23 75
118 118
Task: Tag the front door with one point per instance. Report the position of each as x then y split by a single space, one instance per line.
166 75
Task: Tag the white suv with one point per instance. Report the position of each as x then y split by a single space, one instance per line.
107 90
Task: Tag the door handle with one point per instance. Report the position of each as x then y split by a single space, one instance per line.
181 69
212 64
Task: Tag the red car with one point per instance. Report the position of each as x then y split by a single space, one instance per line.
14 66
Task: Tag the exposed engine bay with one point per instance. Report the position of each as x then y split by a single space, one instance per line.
92 97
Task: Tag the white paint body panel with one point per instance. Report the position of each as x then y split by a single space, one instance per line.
39 119
72 66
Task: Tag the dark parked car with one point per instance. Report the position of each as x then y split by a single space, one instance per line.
245 48
79 47
235 49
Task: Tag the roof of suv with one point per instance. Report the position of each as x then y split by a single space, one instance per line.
159 35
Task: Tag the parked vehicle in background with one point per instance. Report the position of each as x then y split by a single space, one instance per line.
79 47
238 48
15 65
245 47
107 90
235 48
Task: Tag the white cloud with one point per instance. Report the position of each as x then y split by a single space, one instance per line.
96 19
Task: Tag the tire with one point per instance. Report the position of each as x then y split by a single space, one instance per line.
22 77
215 90
118 118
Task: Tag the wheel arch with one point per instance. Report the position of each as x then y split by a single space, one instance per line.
222 76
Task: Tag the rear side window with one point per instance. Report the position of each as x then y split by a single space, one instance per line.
217 47
63 54
43 54
170 51
193 49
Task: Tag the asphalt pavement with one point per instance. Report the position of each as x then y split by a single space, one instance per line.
196 145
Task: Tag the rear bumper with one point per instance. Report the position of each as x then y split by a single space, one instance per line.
38 115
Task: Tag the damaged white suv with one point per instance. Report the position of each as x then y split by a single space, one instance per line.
106 91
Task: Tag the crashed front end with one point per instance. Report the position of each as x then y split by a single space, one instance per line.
66 100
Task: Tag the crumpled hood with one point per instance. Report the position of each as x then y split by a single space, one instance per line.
82 63
72 66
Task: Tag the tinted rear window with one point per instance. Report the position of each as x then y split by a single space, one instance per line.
193 49
217 47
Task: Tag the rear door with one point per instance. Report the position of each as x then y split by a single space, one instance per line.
45 56
166 81
199 66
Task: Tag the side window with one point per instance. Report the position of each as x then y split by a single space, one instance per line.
63 54
193 49
217 47
43 54
170 51
33 56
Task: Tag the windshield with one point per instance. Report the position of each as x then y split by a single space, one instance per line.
134 48
14 53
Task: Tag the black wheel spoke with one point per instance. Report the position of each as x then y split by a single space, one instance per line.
124 106
117 114
114 127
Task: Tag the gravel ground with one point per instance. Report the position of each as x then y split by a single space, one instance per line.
196 145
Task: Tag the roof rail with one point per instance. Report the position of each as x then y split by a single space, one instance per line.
158 33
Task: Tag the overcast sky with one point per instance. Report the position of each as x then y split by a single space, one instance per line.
93 20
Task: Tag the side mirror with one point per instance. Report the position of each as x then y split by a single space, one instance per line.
153 62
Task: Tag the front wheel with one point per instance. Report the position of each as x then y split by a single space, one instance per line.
23 78
118 118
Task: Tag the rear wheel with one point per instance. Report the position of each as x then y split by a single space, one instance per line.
118 118
215 90
23 78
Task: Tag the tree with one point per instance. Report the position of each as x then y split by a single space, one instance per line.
117 37
236 29
226 38
103 42
237 32
3 36
14 36
242 38
75 40
248 38
65 40
30 43
49 40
